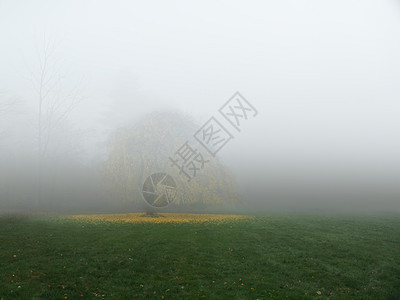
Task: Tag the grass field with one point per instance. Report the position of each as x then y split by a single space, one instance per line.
281 257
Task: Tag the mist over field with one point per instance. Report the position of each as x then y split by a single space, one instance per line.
97 95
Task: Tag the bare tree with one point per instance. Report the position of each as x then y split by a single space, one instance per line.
55 101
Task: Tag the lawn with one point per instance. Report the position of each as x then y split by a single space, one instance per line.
262 257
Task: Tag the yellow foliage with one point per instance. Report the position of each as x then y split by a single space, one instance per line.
143 149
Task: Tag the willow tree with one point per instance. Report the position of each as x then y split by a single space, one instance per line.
146 148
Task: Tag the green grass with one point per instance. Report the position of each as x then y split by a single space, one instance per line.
294 257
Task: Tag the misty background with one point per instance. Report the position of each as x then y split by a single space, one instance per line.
324 77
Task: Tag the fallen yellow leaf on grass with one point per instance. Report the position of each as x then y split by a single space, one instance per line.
161 218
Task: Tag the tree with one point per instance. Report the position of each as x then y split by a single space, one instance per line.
143 149
54 102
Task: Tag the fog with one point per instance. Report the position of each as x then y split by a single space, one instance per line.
323 76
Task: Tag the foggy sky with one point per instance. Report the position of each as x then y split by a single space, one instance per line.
324 77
